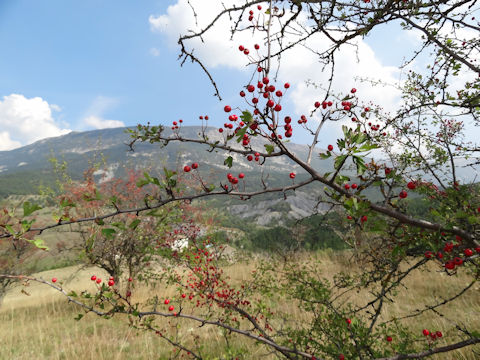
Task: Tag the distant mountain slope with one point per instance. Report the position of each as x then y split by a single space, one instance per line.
22 170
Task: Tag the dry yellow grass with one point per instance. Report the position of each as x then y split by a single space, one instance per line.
41 326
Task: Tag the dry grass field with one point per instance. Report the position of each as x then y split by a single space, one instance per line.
41 325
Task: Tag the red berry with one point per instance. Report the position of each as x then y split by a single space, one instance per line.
341 357
183 296
171 307
186 168
349 321
286 86
364 218
130 279
403 194
256 46
330 147
411 185
468 252
241 175
251 88
428 254
195 166
347 186
349 217
387 171
353 91
111 282
265 80
227 108
457 261
166 302
278 107
279 93
246 51
389 338
292 175
426 332
220 130
450 265
241 48
477 249
242 93
317 104
439 334
259 7
54 280
93 278
99 280
354 186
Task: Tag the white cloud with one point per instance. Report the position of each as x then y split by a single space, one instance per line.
100 123
94 116
6 143
24 121
296 66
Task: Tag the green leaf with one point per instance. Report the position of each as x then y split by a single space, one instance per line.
339 161
325 156
133 225
28 208
79 316
39 243
228 161
361 167
269 148
72 294
246 117
240 133
108 232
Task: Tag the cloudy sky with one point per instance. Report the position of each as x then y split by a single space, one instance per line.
82 65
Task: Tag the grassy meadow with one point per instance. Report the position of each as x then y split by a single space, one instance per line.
37 323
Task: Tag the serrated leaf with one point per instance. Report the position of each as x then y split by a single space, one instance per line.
246 117
108 232
361 167
133 225
228 161
240 133
339 161
269 148
29 208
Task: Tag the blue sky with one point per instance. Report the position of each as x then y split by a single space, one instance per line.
80 65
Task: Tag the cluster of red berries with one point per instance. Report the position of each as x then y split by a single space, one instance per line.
111 280
348 186
175 124
347 105
433 334
187 168
234 180
324 104
257 157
